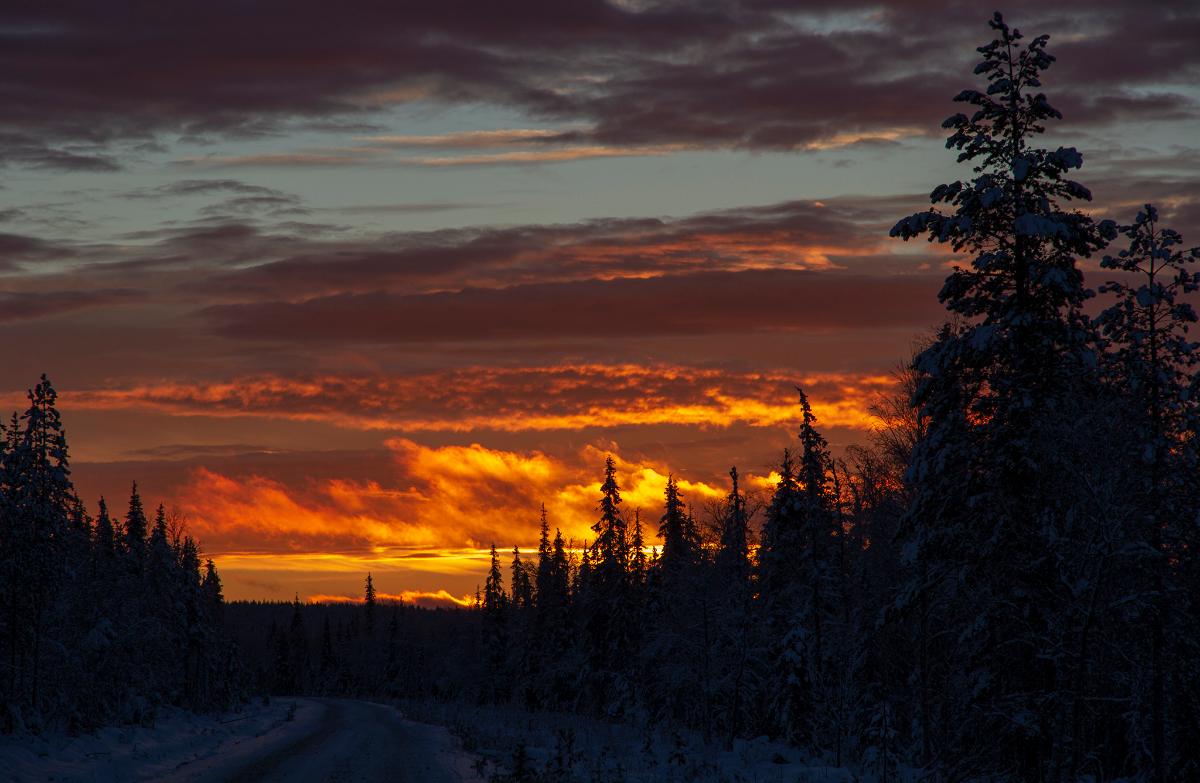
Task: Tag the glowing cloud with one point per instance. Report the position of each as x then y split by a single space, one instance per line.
446 504
568 397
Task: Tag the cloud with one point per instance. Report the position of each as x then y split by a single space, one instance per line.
685 304
200 187
235 256
485 139
508 399
412 207
27 305
758 75
17 250
449 501
19 148
439 599
177 451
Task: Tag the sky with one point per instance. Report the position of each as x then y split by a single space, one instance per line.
359 288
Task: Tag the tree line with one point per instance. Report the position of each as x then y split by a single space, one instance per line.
102 619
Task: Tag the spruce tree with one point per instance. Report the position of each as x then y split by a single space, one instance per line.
734 550
369 605
495 631
104 534
133 534
681 544
522 587
211 585
39 499
637 553
610 546
1150 362
999 391
545 561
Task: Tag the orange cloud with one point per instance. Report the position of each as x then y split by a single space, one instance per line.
426 598
440 512
567 397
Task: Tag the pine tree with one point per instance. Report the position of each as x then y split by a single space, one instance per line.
736 637
610 547
606 589
38 503
495 631
552 597
998 390
495 601
133 536
1150 362
781 536
734 552
681 544
545 561
369 605
161 556
637 553
522 588
214 598
105 537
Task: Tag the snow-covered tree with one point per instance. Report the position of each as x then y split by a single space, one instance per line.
1000 390
1150 363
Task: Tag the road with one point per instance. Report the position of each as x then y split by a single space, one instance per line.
340 740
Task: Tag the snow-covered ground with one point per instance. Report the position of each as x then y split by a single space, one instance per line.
291 739
568 748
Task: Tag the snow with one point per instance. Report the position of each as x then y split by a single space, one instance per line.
292 739
569 747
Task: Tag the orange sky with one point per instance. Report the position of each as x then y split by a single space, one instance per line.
421 516
362 296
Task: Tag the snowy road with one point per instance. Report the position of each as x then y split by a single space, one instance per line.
342 740
294 740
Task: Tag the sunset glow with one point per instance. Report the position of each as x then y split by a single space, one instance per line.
366 304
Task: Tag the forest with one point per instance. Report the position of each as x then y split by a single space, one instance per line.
1002 584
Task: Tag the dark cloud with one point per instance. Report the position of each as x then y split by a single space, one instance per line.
690 304
410 208
233 256
271 205
74 77
177 451
16 250
201 187
27 150
25 305
790 234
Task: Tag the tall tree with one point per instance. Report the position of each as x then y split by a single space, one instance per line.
495 630
733 554
989 516
133 534
104 534
39 498
1150 362
522 586
637 552
369 605
677 529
